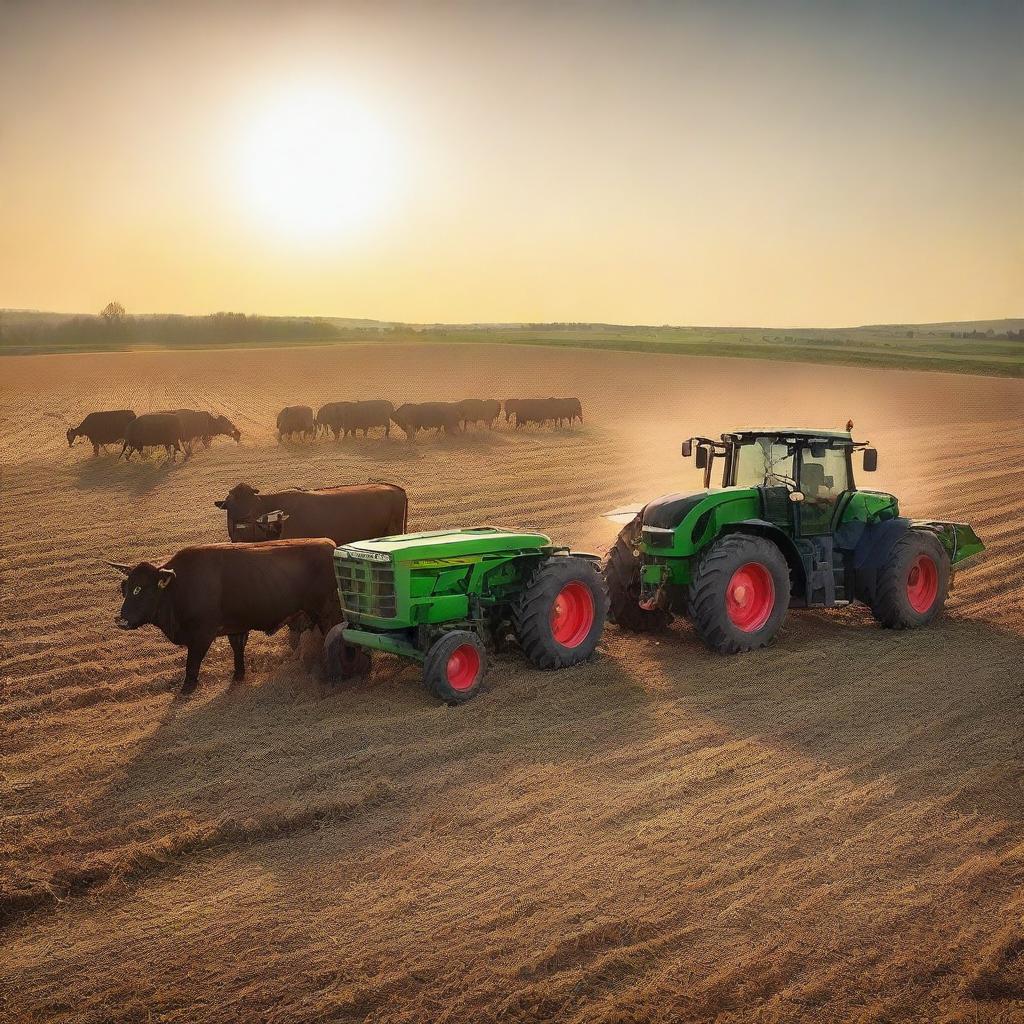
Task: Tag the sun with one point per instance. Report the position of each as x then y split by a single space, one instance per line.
316 164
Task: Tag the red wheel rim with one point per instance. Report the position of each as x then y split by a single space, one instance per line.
922 583
572 614
463 667
750 597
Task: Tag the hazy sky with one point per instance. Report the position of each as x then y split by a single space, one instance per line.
700 163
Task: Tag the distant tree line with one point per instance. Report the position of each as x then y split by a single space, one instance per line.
113 327
990 335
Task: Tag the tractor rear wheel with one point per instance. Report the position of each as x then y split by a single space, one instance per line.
912 585
739 594
455 665
622 577
560 613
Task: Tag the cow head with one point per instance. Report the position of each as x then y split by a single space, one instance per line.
241 503
72 435
143 589
224 426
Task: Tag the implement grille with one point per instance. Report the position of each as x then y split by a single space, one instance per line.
366 588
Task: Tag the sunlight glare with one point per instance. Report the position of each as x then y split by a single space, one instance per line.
316 164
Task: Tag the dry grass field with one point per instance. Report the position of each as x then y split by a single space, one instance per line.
828 830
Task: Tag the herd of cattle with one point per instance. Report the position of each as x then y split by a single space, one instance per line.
344 418
178 430
277 570
175 430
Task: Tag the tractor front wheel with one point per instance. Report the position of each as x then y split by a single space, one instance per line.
622 577
455 665
342 660
739 594
560 613
913 584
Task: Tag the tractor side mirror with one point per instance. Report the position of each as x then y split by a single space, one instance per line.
702 456
687 448
870 460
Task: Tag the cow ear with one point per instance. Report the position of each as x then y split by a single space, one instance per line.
220 504
125 569
255 490
166 575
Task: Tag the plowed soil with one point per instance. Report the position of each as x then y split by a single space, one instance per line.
828 830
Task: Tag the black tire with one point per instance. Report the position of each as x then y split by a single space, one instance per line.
621 572
716 573
562 585
898 583
343 660
455 665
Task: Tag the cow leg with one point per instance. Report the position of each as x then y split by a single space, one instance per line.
196 652
95 449
238 647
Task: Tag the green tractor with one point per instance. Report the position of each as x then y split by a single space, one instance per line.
444 598
788 528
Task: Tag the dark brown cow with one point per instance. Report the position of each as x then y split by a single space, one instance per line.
427 416
331 417
153 430
102 428
544 410
478 410
204 426
295 419
365 416
345 514
227 590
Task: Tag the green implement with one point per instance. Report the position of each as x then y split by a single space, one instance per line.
447 597
788 527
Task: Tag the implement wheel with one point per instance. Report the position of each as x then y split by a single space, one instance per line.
621 571
560 613
455 665
740 593
913 584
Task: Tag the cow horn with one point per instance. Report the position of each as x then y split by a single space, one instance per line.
166 575
120 567
221 504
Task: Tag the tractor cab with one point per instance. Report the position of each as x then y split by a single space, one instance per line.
810 469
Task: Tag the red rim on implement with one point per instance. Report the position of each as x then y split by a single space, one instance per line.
463 667
572 614
750 597
922 583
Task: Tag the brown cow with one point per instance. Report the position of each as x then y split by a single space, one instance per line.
295 419
478 410
153 430
345 514
204 426
102 428
544 410
365 416
213 590
427 416
331 417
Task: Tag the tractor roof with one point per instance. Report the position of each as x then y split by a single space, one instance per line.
795 432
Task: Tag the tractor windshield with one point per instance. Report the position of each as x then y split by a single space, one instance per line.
763 462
